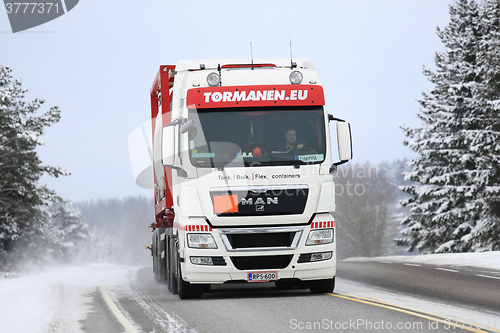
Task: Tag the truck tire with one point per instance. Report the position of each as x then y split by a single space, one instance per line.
154 251
171 279
187 290
322 286
155 268
162 262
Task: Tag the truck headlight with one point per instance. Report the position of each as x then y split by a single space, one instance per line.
201 241
321 236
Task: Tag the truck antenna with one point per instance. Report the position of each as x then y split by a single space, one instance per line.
292 64
251 54
220 75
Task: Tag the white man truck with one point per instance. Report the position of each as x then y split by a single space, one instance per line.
243 182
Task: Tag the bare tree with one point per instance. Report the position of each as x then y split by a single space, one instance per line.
365 202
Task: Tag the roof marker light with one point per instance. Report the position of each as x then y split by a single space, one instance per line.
295 77
213 79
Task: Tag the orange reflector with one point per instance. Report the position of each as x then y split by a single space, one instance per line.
225 204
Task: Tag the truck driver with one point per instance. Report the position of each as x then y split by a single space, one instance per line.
291 140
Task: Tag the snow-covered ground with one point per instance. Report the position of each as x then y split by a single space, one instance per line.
56 300
59 299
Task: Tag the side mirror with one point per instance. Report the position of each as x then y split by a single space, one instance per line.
168 145
344 140
187 126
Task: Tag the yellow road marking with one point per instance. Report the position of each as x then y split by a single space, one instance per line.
472 327
121 318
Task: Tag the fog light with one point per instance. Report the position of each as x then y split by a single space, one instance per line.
295 77
202 261
321 256
213 79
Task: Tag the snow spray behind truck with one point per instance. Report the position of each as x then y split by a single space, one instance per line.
243 170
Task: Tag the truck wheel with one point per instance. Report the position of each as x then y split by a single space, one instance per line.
154 268
155 255
171 279
162 262
155 265
186 289
322 286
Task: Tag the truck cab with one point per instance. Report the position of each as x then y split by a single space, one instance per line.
243 167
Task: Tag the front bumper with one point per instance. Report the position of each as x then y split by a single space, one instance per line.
219 274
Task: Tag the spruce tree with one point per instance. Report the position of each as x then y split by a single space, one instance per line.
70 230
457 165
24 223
440 211
486 233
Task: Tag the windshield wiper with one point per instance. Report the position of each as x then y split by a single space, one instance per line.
295 163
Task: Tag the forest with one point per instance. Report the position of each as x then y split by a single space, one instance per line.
445 199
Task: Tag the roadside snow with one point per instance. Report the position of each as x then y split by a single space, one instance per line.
455 313
55 301
489 260
485 260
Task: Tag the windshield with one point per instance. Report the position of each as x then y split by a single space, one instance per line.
257 136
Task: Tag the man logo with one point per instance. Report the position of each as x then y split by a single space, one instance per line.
26 15
259 201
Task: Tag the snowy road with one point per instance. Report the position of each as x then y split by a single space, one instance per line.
369 297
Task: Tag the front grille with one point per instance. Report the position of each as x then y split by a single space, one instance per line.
262 200
219 261
304 257
254 240
262 262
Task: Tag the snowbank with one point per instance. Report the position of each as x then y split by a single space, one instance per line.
55 301
489 260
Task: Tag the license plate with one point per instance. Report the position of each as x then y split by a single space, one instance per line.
262 276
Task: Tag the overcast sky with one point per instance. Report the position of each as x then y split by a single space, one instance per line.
98 61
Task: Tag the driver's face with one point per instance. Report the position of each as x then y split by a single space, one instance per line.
290 136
